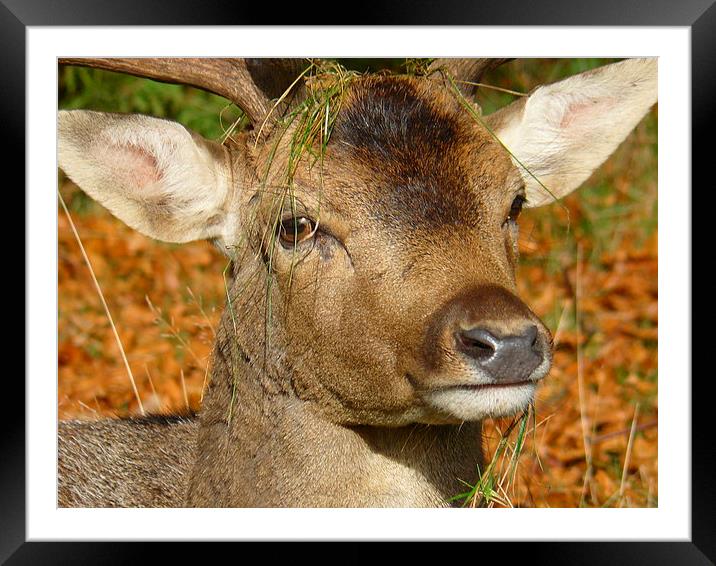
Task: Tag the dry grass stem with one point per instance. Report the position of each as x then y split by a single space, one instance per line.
104 303
583 405
627 455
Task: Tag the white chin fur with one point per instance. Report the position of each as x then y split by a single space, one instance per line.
477 404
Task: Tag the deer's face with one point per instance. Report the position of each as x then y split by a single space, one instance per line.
381 287
395 262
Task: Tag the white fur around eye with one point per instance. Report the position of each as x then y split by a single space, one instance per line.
514 230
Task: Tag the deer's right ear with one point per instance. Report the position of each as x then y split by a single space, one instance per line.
152 174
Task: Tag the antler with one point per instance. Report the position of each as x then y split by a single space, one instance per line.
250 83
466 71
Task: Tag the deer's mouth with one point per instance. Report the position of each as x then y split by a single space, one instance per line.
486 386
474 402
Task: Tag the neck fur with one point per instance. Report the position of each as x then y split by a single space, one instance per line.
260 445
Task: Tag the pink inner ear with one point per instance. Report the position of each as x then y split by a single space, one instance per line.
585 112
134 166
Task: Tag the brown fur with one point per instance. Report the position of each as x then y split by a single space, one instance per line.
125 463
331 400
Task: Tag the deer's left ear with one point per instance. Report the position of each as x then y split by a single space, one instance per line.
562 132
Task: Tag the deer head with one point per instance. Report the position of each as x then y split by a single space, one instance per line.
371 220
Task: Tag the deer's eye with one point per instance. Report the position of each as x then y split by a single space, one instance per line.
293 231
516 208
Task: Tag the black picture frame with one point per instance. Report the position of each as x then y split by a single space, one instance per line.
698 15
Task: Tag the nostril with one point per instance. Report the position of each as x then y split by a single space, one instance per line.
477 342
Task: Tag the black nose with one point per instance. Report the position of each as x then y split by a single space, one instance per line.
506 359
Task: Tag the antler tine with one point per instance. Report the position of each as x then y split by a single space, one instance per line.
250 83
467 70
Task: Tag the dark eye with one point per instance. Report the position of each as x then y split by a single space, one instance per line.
293 231
516 208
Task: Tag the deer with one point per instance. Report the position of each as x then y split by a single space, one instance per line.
372 320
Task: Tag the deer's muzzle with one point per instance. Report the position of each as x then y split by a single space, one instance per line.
486 336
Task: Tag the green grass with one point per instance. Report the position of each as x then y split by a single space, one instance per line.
114 92
494 482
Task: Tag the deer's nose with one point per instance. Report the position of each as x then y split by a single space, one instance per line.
505 359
